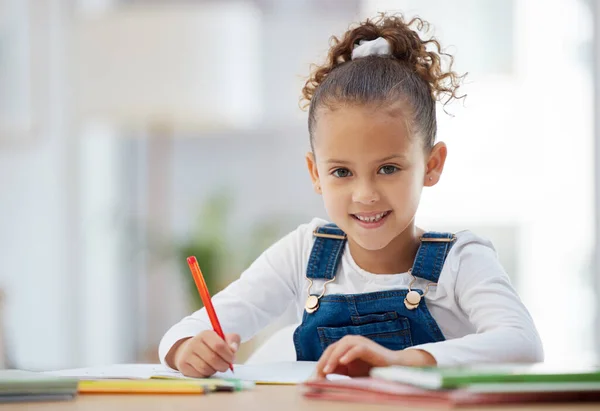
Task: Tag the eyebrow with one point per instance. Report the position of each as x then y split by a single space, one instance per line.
382 160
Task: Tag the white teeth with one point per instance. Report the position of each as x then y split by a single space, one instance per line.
371 219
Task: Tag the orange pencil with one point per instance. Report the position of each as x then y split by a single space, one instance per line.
205 296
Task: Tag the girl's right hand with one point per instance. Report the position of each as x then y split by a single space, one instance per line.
206 353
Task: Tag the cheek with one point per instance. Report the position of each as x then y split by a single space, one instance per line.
407 192
335 198
415 186
415 179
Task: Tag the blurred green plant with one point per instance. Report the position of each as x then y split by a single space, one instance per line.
223 255
263 234
208 243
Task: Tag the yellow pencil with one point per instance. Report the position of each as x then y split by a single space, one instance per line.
214 384
141 387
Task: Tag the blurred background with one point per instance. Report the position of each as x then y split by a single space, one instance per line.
135 133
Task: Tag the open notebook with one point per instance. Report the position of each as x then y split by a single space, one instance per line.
293 372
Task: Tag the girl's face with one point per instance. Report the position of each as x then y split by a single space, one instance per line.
370 172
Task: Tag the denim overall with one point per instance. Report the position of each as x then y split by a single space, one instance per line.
381 316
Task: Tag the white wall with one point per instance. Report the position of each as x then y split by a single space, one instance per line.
37 195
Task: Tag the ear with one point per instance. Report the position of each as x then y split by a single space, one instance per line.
435 164
311 163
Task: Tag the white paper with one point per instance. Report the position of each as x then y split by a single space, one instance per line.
293 372
124 371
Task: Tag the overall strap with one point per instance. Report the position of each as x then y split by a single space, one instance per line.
432 253
326 253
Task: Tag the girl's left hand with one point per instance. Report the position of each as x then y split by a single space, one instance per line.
355 355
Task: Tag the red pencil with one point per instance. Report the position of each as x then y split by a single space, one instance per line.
205 295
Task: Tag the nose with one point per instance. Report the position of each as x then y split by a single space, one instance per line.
365 192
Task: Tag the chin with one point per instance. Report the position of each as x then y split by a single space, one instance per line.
375 244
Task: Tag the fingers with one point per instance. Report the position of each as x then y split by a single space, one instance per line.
369 352
194 366
219 346
330 358
322 363
357 352
213 356
342 347
206 353
233 340
352 352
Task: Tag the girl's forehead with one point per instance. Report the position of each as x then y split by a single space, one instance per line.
357 129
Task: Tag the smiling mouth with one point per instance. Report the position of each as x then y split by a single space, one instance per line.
371 218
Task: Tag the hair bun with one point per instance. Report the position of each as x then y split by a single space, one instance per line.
391 35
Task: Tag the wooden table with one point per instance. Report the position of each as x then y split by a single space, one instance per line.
285 398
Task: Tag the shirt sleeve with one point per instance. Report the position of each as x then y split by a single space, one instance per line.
262 293
504 329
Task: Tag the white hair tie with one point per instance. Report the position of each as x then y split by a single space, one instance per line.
377 47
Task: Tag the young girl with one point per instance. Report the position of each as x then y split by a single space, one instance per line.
371 288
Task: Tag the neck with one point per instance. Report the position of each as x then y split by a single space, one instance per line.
397 257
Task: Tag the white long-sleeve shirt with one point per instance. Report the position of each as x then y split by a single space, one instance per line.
474 304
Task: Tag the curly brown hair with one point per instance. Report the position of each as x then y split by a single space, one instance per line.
412 75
